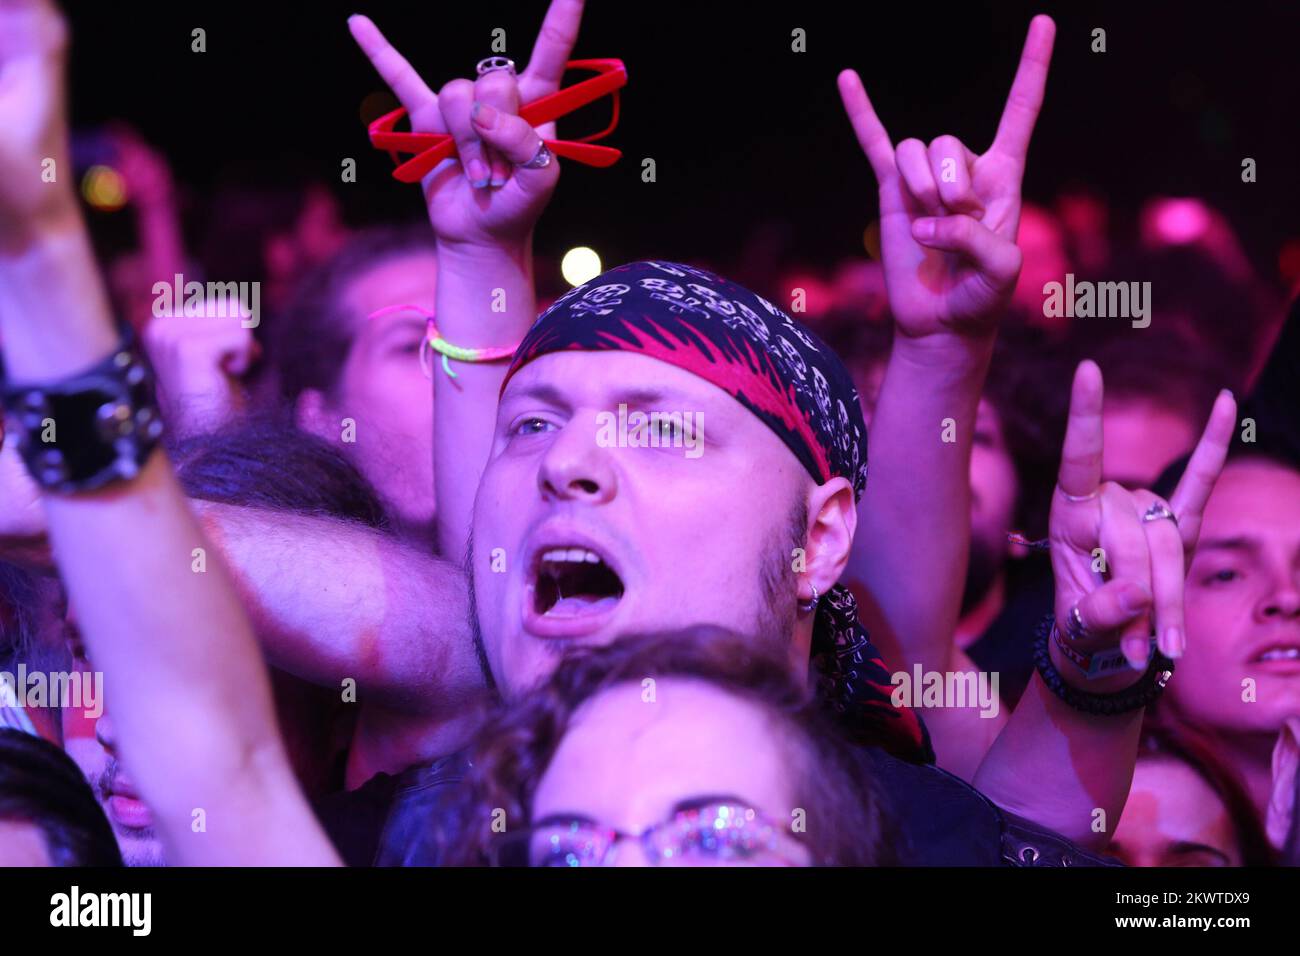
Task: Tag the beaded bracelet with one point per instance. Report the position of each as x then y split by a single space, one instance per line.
1144 692
433 340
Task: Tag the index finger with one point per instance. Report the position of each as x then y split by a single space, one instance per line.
551 52
1026 96
1080 473
1203 468
392 67
871 133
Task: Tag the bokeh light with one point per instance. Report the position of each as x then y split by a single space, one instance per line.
580 264
104 188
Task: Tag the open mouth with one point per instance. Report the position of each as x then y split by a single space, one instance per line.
573 581
1289 653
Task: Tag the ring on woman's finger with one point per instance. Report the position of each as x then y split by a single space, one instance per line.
493 63
1077 498
541 158
1158 512
1074 626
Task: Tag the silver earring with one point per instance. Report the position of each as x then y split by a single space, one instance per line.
808 606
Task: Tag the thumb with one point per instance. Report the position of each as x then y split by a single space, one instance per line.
996 257
514 139
238 357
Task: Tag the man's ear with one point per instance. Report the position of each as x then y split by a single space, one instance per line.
832 521
311 415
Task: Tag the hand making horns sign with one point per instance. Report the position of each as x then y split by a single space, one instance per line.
948 217
498 188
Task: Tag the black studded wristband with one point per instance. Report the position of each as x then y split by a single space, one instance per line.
90 429
1144 692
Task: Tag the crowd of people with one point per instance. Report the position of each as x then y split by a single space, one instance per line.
372 579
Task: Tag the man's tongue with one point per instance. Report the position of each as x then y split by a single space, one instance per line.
581 604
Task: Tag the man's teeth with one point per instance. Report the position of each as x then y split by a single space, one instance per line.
576 555
1281 654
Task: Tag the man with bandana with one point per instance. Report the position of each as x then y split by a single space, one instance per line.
705 544
669 541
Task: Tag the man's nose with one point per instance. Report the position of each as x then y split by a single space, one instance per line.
104 733
575 467
1283 600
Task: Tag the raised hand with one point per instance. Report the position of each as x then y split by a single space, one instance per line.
33 124
948 217
199 363
1146 556
484 198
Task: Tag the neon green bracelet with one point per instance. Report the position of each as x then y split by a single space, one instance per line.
433 340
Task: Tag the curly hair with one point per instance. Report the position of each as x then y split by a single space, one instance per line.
515 748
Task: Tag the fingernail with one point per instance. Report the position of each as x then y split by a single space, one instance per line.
1174 643
924 228
484 115
1135 650
478 174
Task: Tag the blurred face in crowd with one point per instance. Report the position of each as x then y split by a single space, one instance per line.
92 745
1241 670
316 235
995 488
691 747
597 541
1174 818
1141 438
22 844
1042 241
383 390
994 491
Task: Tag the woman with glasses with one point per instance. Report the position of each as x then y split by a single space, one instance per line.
690 749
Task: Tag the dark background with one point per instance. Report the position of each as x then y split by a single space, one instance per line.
749 138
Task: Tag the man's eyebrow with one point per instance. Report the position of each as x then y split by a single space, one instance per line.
401 320
1227 544
542 392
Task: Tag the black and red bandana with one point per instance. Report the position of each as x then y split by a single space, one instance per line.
775 367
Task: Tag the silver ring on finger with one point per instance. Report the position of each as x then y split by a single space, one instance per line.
1077 498
541 159
493 63
1158 512
1074 626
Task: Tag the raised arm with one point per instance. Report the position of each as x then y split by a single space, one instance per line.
483 208
171 642
948 221
331 600
1055 763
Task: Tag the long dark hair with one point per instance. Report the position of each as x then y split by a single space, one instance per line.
512 753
